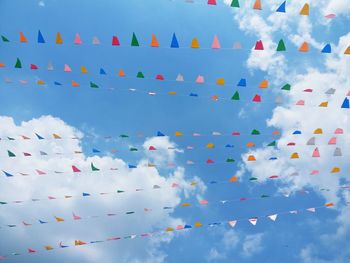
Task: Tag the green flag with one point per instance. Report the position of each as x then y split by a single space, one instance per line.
94 168
18 63
255 132
235 3
253 179
286 87
133 149
134 42
272 143
235 96
4 39
93 85
281 46
140 75
230 160
11 154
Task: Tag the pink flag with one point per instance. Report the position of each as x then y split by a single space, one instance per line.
67 68
316 153
200 79
77 39
216 43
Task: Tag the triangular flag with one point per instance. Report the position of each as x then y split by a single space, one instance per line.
7 174
286 87
93 85
76 217
312 209
140 75
264 84
75 169
40 37
257 5
195 43
305 10
83 69
335 170
259 45
31 250
154 42
18 63
134 41
22 38
94 168
4 39
282 8
347 51
294 156
257 98
232 223
77 40
59 219
220 81
338 131
79 243
316 153
311 141
180 78
345 104
253 220
281 46
211 2
50 66
95 41
75 84
11 154
102 71
216 43
337 152
121 73
332 141
304 47
59 38
115 41
273 217
174 42
327 49
242 83
39 137
235 3
200 79
67 68
56 136
48 248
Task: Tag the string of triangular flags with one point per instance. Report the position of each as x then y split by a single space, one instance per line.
258 46
235 134
198 224
257 98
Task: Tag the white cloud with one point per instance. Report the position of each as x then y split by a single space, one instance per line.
252 244
24 188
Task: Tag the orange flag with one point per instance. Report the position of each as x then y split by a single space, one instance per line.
304 47
22 38
59 38
195 43
257 5
154 42
305 11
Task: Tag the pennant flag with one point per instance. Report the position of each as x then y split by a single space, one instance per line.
194 43
257 5
242 83
257 98
56 136
255 132
305 10
95 41
335 170
311 141
232 223
18 63
77 40
154 42
264 84
259 45
31 250
235 3
7 174
294 156
67 68
273 217
332 141
197 224
159 77
220 81
50 66
235 96
159 134
4 39
281 46
39 137
140 75
86 194
22 38
121 73
211 2
178 133
76 217
174 42
102 71
338 131
115 41
59 40
347 51
40 37
134 41
312 209
316 153
233 179
329 205
75 169
304 47
59 219
327 49
33 67
62 246
286 87
11 154
48 248
330 16
200 79
180 78
282 8
318 131
216 43
337 152
345 104
94 168
272 143
251 158
253 220
93 85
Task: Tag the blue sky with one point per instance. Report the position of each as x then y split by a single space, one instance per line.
292 238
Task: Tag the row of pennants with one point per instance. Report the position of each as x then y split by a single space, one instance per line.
232 223
200 79
166 187
259 45
56 136
170 209
257 98
93 169
295 155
